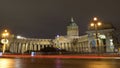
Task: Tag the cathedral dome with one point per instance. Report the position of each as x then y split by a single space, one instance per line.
72 23
72 29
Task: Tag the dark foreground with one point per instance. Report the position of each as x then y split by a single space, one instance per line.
58 63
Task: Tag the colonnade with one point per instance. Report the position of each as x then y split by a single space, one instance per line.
23 45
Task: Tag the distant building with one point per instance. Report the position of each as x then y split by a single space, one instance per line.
72 42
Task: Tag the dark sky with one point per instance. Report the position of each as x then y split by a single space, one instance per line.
47 18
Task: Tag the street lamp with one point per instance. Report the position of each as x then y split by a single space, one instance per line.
4 40
95 23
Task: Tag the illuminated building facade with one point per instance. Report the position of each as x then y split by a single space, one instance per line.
29 44
72 42
105 38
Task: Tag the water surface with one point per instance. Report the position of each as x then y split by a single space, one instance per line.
58 63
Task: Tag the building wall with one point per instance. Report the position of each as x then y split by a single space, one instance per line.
105 43
77 44
73 43
23 45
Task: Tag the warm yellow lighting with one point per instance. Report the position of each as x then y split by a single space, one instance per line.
5 33
99 23
8 63
5 36
103 64
4 41
95 19
92 24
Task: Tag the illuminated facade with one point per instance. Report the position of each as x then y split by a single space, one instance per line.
72 42
28 44
104 36
72 29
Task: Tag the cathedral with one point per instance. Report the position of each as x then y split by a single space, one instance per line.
71 42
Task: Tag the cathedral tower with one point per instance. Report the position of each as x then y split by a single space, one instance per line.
72 28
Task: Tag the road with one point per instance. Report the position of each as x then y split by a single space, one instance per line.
58 63
63 56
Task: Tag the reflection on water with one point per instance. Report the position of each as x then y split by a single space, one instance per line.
9 63
6 63
57 63
101 64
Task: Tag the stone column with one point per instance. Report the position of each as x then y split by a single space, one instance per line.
26 46
38 46
11 47
19 48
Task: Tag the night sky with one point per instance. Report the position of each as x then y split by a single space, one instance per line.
47 18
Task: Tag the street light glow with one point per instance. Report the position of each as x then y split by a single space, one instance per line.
99 23
5 33
95 19
5 41
92 24
95 23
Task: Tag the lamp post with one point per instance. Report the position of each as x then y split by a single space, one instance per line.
95 23
4 40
